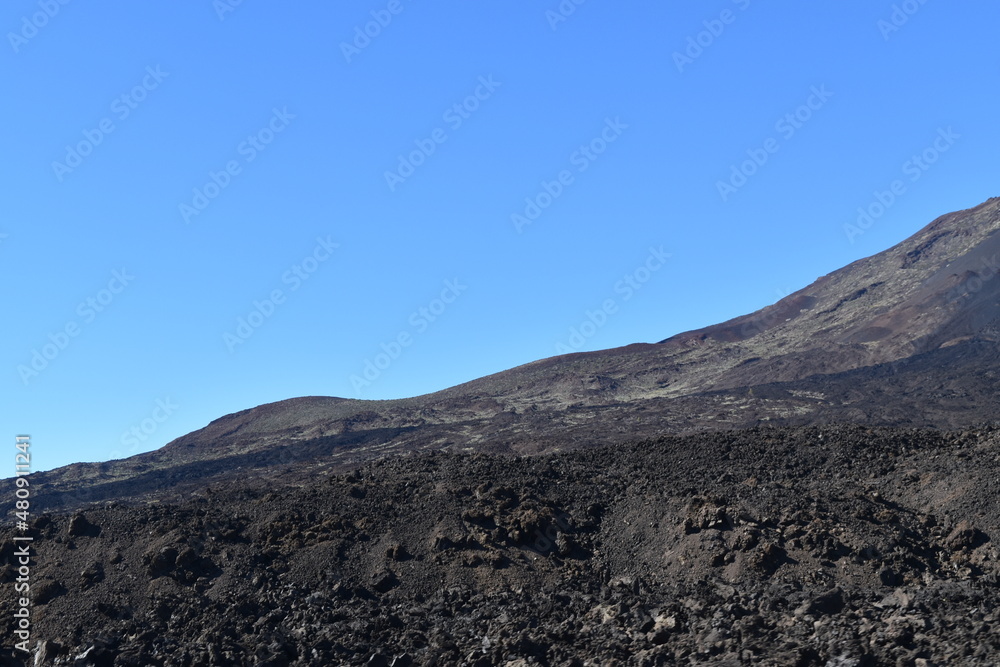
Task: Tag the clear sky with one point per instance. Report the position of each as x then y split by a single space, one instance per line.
210 206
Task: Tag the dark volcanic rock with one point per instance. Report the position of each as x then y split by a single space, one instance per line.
813 546
80 526
964 536
830 602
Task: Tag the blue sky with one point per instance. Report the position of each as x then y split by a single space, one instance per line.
210 206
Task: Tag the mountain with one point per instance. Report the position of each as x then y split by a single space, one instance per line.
813 484
906 337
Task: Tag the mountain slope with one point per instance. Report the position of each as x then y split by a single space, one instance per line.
905 337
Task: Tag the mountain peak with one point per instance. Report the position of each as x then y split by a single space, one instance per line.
927 291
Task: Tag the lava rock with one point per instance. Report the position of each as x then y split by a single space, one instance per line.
79 526
964 536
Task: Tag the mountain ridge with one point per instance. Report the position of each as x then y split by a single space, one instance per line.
931 293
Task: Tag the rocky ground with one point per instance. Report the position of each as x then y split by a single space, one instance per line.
835 546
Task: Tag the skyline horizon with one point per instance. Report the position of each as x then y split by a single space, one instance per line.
228 205
138 434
